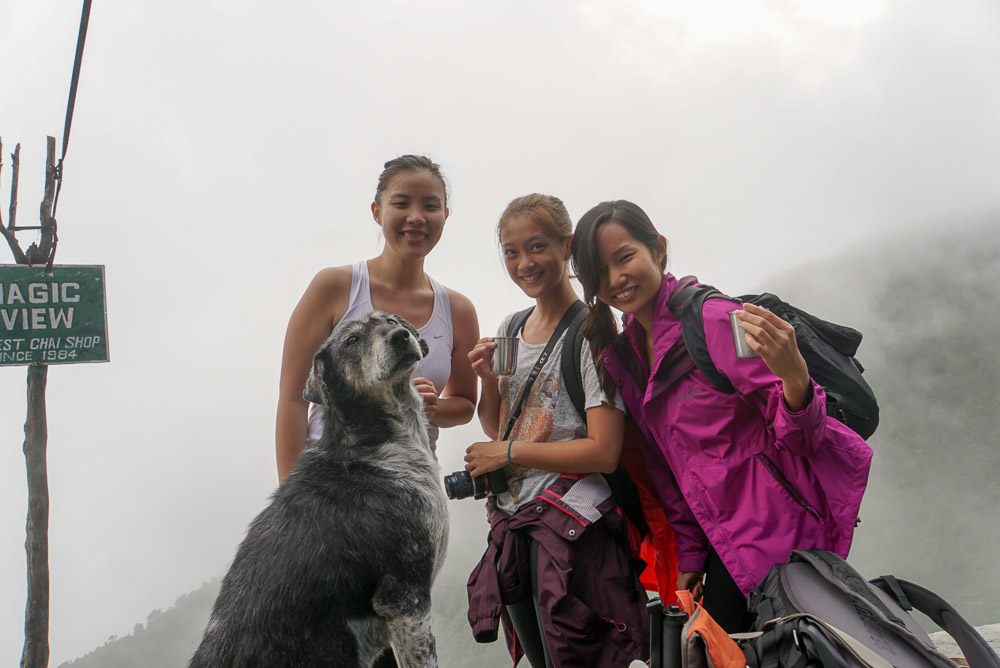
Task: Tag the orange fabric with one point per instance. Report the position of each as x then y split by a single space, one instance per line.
658 550
723 650
647 552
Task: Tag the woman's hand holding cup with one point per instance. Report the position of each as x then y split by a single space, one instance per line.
481 357
773 340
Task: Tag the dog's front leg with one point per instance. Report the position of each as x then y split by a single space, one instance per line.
406 610
413 642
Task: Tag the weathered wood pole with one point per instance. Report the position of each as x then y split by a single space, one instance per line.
36 612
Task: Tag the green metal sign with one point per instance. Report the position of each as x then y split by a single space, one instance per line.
56 317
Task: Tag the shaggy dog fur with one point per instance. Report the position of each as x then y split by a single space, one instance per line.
339 566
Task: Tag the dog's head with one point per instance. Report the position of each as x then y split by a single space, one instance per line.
370 356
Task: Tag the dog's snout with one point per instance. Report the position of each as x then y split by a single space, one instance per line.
399 336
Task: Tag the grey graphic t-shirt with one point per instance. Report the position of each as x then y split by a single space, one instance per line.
547 414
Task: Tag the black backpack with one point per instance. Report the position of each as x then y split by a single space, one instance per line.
817 611
827 347
624 490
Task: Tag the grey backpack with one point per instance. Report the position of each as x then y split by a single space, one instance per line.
817 611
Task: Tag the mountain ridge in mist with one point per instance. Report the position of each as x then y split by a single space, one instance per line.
928 306
170 636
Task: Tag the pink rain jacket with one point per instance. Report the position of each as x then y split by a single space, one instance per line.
737 472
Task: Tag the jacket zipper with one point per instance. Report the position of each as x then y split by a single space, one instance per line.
780 478
693 487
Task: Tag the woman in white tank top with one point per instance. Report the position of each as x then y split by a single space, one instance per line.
411 208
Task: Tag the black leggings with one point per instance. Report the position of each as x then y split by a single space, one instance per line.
527 627
723 599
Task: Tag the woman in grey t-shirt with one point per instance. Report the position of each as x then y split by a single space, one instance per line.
557 519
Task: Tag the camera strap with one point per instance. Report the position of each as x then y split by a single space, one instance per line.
542 359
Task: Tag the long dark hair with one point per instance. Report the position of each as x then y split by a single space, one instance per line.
600 328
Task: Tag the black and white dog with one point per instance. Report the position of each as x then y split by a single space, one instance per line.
339 566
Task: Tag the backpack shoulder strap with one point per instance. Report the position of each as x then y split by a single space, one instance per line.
975 648
517 321
560 329
683 290
570 361
686 303
571 351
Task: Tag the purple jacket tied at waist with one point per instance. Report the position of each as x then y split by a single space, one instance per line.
585 586
737 472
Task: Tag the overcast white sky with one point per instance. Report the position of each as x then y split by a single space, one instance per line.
224 152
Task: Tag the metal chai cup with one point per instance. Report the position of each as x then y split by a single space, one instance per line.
743 351
504 361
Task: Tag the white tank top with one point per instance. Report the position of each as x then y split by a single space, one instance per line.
437 332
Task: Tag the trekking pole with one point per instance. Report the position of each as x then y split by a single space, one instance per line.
665 628
673 626
655 610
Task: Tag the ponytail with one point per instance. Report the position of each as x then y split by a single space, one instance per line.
600 330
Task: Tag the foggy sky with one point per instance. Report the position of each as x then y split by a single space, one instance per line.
222 153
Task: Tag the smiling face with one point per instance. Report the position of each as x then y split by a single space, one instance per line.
411 213
535 261
630 270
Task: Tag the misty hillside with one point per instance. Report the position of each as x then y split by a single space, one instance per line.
169 638
928 307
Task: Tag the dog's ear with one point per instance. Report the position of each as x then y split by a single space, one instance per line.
315 390
423 347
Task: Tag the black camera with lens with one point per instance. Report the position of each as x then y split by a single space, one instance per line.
462 485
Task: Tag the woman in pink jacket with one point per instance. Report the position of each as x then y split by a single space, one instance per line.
745 478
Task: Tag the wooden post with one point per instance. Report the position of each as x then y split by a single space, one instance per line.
36 545
36 612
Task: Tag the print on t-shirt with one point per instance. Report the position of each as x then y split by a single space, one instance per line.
533 425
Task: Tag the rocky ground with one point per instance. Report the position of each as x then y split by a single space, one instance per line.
948 647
